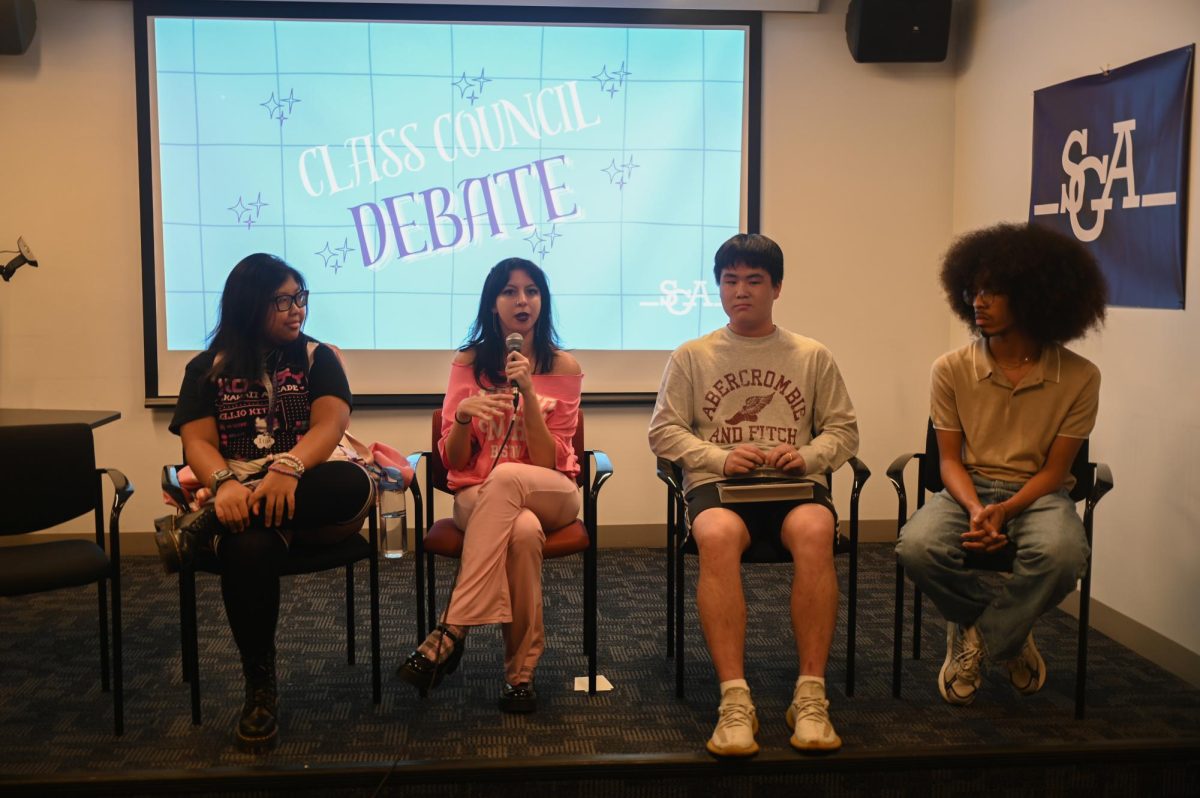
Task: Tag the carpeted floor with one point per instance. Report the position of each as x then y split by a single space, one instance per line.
55 720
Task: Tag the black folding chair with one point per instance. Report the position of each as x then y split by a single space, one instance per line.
301 559
1092 481
443 538
53 478
679 542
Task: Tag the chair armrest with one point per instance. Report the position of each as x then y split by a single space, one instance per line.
414 488
670 473
1102 484
895 472
604 470
171 488
122 487
122 490
861 473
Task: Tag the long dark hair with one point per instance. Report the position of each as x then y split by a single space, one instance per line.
237 340
484 336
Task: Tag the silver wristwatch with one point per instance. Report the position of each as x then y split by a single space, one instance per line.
221 475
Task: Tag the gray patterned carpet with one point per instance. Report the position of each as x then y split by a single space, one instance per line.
55 722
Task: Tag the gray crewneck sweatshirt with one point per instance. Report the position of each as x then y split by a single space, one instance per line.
723 390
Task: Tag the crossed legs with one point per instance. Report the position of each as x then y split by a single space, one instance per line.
500 579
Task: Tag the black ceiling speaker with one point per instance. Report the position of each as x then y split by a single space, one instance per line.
18 19
898 30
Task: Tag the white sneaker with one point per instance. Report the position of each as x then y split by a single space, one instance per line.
808 717
962 672
736 726
1027 671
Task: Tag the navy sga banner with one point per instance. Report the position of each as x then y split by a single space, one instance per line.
1110 156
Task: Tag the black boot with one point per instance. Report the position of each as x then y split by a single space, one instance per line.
257 728
179 536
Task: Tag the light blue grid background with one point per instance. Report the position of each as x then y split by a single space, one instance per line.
656 184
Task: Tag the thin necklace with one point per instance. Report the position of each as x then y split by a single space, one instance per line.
1010 366
1013 366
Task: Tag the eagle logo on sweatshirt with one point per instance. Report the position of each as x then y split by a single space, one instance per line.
751 408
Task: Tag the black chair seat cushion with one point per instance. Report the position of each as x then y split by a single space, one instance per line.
446 540
306 558
37 567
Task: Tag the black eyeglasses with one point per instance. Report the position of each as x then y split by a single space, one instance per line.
283 302
984 295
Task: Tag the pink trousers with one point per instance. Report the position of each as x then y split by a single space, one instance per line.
500 576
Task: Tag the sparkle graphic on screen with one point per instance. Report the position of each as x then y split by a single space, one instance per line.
330 257
275 108
471 89
612 82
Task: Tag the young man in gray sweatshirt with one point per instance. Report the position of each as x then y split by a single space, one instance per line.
748 402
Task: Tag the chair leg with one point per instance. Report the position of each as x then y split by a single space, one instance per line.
193 645
898 629
373 578
419 588
102 596
430 592
670 552
679 597
916 622
852 619
118 675
590 615
1085 603
350 614
185 658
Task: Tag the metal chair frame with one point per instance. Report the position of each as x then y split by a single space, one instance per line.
300 560
48 437
678 537
1092 481
435 480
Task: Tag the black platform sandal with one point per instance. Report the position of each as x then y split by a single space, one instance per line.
518 698
424 674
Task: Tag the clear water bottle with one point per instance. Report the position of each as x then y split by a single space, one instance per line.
393 524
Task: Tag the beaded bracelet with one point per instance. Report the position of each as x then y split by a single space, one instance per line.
278 468
291 461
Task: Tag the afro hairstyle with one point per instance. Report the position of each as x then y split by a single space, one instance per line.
1056 291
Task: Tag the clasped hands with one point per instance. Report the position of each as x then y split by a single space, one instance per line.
745 458
274 498
985 532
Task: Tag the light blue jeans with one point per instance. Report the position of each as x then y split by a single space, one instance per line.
1052 554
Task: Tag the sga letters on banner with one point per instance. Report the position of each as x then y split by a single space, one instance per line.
1110 155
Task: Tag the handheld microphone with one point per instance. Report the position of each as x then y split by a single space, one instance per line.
513 343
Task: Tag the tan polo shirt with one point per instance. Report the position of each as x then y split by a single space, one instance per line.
1007 430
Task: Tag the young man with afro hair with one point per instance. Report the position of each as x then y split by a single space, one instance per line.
1010 411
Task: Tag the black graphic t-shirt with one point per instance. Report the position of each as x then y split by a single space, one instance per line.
244 409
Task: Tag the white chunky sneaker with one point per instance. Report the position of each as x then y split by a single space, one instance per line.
808 717
736 726
961 673
1027 671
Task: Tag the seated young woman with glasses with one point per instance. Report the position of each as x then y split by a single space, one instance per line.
260 412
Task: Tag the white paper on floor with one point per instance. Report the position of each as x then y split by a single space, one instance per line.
603 685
